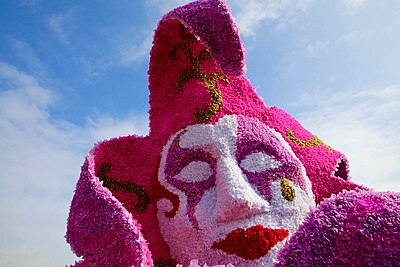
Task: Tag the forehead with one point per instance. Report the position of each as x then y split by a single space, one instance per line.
232 132
223 131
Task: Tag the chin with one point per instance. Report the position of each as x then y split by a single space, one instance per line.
187 244
247 242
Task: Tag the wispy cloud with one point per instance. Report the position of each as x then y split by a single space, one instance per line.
362 124
40 165
352 4
58 23
314 47
28 56
346 39
105 126
131 52
349 38
251 14
29 3
161 7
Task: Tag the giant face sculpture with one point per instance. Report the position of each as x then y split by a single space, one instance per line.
242 192
232 189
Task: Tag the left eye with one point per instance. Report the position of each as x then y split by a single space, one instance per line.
259 162
195 171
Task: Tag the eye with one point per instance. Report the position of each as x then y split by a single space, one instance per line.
195 171
259 162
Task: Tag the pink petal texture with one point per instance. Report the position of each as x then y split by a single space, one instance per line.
100 229
133 161
195 263
212 22
354 228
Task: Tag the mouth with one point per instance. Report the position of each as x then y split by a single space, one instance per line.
252 243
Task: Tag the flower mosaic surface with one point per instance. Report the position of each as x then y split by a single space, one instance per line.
228 209
222 179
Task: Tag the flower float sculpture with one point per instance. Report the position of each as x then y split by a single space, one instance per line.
222 178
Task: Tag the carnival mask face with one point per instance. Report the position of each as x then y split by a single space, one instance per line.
242 193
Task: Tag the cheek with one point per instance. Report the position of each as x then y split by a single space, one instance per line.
182 239
185 172
290 213
205 210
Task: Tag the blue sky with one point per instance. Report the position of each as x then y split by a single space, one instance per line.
73 73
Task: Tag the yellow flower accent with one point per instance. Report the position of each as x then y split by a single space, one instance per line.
287 190
314 141
196 72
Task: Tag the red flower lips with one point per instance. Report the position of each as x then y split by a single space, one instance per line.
252 243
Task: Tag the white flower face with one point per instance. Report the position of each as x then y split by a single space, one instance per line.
242 193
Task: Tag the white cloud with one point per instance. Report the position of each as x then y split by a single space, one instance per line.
29 3
352 4
28 56
58 23
343 42
131 53
41 160
333 78
161 7
364 125
94 66
350 38
346 39
314 47
105 126
251 14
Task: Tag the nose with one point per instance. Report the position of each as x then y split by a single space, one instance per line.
236 199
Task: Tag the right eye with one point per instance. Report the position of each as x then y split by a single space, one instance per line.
259 162
195 171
